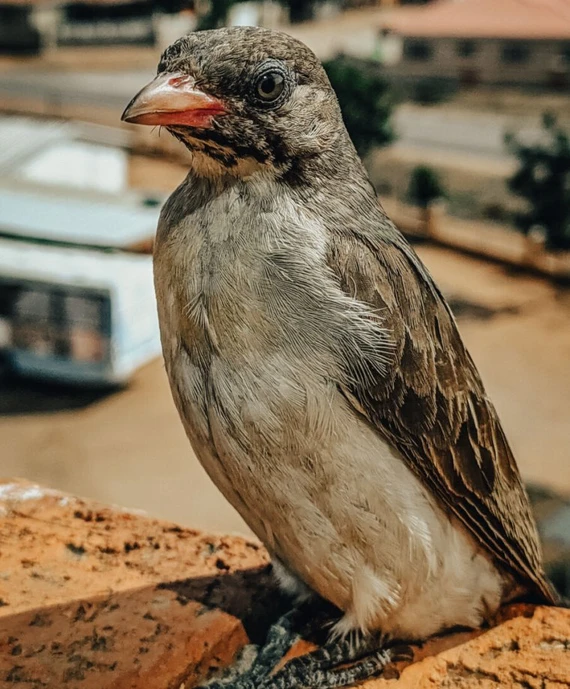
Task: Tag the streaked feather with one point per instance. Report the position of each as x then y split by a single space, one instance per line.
431 403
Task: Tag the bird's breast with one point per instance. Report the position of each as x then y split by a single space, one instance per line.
241 297
246 297
245 282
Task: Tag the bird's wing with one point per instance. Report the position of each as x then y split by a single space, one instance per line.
431 404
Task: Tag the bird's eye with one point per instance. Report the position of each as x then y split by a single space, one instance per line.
269 86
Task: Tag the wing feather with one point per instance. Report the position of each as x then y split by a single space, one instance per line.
432 405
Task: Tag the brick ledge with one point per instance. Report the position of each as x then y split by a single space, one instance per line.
98 597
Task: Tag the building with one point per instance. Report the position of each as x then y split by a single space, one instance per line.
95 220
69 155
30 26
18 35
510 42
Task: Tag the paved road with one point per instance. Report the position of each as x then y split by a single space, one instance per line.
457 131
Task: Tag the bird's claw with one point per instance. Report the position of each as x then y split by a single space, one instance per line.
401 653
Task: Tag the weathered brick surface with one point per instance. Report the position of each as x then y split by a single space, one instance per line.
529 649
95 597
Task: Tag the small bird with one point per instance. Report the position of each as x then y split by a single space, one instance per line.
317 369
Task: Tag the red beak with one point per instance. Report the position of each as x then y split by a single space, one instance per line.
173 99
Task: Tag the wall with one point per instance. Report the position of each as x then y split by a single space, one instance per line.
487 64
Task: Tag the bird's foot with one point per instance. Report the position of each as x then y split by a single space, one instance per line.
337 663
280 638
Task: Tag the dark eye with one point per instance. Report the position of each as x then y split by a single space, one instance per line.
269 86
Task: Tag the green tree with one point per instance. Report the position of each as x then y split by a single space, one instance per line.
217 16
300 10
366 102
171 6
425 186
543 181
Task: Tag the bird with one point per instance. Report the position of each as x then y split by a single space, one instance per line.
318 371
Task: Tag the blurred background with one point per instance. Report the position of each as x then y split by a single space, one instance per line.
461 111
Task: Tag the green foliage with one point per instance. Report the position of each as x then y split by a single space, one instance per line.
425 186
366 103
543 180
300 10
217 15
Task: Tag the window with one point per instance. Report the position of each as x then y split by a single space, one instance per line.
89 12
32 305
466 48
515 53
8 296
418 50
85 312
51 322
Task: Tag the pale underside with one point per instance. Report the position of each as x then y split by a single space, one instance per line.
345 514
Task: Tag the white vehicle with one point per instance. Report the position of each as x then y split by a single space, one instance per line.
82 316
77 302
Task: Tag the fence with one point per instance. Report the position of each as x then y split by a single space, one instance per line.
488 240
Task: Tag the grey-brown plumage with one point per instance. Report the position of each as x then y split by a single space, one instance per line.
433 407
316 367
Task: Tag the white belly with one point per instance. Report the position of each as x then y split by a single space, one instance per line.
375 543
338 506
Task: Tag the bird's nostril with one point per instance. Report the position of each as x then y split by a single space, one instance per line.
178 81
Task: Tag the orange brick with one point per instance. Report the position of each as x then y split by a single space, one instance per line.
96 597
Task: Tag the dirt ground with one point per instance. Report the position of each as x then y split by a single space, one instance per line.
128 447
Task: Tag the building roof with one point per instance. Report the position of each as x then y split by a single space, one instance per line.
74 266
55 217
514 19
23 138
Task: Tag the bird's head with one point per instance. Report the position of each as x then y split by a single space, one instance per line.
242 99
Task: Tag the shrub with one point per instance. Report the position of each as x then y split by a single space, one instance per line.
425 186
365 100
543 181
433 90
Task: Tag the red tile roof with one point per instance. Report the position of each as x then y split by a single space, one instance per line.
533 19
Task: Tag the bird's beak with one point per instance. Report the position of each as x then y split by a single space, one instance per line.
173 99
